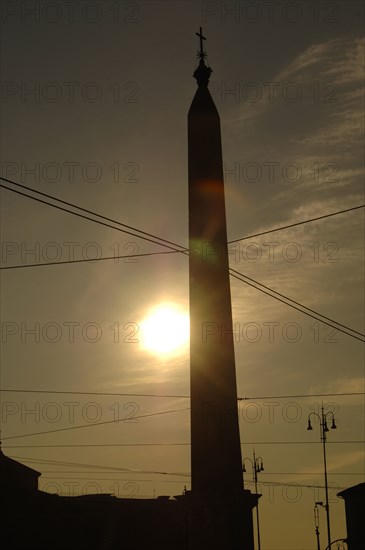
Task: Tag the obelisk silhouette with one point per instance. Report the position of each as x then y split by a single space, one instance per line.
216 462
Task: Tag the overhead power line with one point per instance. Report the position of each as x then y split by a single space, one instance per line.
176 396
294 302
96 424
108 478
77 445
88 212
154 241
343 394
247 482
297 223
183 250
121 394
83 260
109 469
337 326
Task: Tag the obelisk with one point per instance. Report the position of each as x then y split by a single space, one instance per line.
216 463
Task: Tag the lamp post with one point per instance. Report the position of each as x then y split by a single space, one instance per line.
257 466
324 429
316 523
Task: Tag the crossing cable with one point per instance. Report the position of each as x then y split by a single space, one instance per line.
241 277
297 223
183 250
87 217
132 418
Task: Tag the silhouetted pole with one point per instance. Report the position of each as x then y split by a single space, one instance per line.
316 523
257 466
324 429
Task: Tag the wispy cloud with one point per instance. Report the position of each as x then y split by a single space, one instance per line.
330 73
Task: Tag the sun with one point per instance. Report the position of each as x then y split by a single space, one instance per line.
165 330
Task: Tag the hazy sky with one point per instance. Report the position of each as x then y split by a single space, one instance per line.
105 128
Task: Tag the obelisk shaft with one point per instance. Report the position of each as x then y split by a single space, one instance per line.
216 453
220 515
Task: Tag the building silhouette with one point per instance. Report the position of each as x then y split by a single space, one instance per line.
36 520
15 476
354 498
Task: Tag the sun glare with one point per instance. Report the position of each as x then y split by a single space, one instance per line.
165 330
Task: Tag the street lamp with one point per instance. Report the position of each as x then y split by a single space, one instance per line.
324 429
257 466
316 522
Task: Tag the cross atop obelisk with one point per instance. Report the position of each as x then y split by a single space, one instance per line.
202 54
202 73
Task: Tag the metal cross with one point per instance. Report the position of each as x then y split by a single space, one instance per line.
200 34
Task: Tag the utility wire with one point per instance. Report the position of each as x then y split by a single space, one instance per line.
128 420
297 223
98 393
247 482
63 262
184 250
302 395
297 308
246 398
107 478
87 217
112 468
294 302
133 470
172 480
171 242
352 442
87 211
